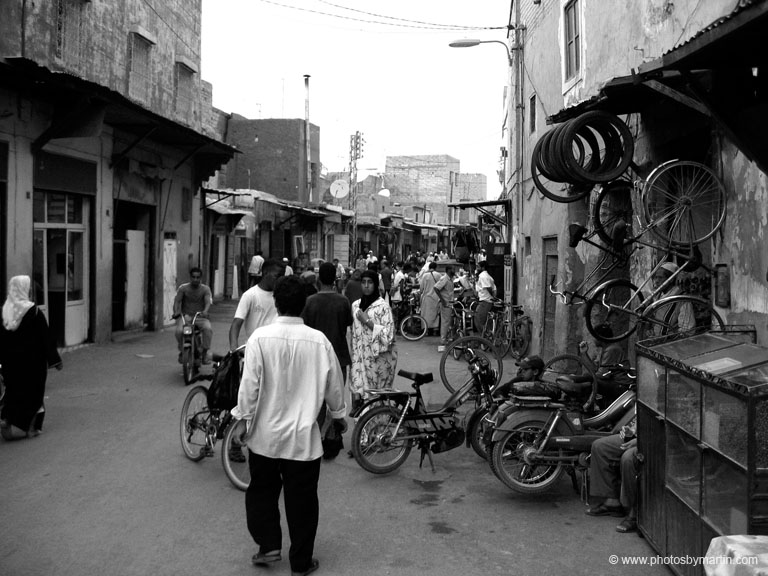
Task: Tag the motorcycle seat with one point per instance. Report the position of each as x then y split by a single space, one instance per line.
417 377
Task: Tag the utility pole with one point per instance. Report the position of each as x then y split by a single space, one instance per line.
307 148
356 142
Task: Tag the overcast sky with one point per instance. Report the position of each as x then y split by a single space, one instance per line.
399 83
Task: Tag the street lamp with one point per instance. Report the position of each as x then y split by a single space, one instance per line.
470 42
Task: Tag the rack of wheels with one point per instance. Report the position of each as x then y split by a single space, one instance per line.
683 205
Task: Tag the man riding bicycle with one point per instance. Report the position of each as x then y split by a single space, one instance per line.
192 298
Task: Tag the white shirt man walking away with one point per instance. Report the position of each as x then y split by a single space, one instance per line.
290 369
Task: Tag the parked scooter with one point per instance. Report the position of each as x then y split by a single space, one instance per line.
392 421
536 439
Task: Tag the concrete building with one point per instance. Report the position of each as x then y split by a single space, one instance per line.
106 132
422 181
688 79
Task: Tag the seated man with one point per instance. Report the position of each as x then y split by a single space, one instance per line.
613 473
191 298
527 381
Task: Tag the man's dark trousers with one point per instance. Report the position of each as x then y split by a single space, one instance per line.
300 478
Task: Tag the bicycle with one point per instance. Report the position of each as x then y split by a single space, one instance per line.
201 427
618 301
413 326
499 329
462 318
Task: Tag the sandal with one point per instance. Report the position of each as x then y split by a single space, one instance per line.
267 558
629 524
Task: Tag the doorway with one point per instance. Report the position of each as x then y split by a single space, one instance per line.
550 300
131 266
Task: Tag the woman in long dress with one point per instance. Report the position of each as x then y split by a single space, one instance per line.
27 350
374 353
430 303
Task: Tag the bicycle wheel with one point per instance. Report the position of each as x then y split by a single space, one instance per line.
520 338
196 420
413 327
614 303
457 352
509 452
373 444
234 455
188 365
454 370
566 365
502 338
679 314
613 205
684 202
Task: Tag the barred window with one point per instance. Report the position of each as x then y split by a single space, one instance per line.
69 32
572 40
183 91
139 67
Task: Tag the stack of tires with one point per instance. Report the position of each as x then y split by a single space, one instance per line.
593 148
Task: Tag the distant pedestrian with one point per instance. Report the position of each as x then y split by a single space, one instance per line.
374 353
360 263
430 304
257 305
444 291
27 350
354 290
386 278
254 270
341 275
288 269
486 292
290 370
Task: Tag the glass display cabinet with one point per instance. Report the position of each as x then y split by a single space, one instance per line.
702 416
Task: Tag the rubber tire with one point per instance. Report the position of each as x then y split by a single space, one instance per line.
614 132
194 452
533 424
675 301
476 430
187 366
457 351
462 343
627 320
357 451
519 344
238 473
411 335
617 197
569 194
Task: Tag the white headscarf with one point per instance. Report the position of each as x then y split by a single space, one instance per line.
17 303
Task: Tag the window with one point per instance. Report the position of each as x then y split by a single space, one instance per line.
572 40
532 114
183 90
69 32
139 67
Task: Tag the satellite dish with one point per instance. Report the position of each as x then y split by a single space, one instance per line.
339 188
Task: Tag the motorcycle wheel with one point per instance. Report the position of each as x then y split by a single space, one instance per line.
476 431
373 446
234 455
195 422
508 464
188 366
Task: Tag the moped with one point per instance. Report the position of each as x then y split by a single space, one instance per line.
537 438
392 421
192 346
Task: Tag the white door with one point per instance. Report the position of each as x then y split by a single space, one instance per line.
76 311
169 280
221 267
134 278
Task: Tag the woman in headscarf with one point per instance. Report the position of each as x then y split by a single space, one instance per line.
27 350
374 353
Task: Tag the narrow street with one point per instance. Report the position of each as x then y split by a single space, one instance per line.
106 489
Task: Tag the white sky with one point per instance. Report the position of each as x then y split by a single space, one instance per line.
402 86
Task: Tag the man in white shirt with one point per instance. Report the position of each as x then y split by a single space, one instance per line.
290 370
257 306
486 291
288 269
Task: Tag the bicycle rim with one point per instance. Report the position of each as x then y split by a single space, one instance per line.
684 202
613 303
413 327
681 314
566 365
234 455
454 368
195 422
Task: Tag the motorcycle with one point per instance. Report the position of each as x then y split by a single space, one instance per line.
392 421
192 346
536 439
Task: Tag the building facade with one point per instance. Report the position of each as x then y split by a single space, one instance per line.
105 137
687 78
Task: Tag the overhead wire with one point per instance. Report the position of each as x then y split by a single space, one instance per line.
449 26
395 24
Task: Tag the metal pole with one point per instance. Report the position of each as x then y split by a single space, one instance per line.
306 140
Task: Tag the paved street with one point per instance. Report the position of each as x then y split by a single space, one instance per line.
107 490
